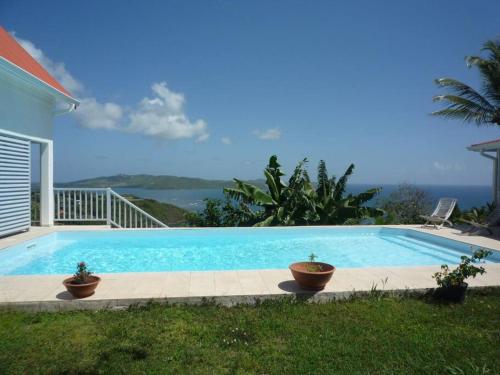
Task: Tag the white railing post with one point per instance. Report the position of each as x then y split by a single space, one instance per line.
108 206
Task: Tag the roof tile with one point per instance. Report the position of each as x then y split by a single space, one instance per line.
12 51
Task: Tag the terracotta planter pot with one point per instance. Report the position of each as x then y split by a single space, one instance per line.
81 290
452 293
312 280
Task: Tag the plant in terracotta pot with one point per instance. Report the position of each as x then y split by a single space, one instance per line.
452 285
312 275
83 283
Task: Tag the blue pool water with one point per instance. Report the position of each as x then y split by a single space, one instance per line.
228 249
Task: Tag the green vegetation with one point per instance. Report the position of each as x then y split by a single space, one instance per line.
478 214
145 181
333 207
165 212
219 213
469 105
82 274
405 205
296 202
376 335
466 268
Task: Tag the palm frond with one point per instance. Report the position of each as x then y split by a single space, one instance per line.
490 72
468 104
464 109
462 90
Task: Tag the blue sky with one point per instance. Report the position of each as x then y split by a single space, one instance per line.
212 88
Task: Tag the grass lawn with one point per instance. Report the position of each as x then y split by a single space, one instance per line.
371 335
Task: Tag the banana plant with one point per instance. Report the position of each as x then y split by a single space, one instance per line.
271 201
298 202
332 207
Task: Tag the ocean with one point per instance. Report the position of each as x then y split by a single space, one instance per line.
192 199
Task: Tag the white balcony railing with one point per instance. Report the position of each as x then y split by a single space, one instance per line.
98 205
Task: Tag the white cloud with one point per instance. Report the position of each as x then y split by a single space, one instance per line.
203 138
440 166
226 140
161 116
94 115
271 134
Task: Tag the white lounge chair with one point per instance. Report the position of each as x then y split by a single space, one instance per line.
441 213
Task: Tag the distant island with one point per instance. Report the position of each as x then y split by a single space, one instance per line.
145 181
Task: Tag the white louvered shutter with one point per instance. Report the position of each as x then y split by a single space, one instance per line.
15 185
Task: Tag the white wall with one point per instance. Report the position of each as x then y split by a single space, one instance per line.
29 112
25 110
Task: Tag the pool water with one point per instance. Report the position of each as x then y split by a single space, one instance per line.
228 249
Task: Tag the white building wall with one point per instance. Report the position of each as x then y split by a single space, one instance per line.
25 110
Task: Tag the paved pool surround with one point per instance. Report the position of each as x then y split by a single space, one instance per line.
120 290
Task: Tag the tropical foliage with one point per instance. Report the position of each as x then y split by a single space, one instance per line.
293 202
221 213
464 103
478 214
449 278
405 205
334 207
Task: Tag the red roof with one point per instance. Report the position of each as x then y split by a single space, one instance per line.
486 143
11 50
493 145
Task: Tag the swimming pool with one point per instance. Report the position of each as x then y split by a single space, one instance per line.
113 251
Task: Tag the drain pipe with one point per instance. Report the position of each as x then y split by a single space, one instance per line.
488 156
495 172
71 108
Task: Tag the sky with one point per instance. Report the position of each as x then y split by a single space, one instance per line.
212 89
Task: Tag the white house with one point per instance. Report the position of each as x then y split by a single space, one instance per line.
491 150
29 99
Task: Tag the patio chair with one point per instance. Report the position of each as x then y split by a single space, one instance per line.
492 220
441 213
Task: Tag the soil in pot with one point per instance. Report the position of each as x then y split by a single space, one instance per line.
451 293
312 275
81 290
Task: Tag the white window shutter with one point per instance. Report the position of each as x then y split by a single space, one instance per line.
15 185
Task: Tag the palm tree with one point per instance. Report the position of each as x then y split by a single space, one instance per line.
467 104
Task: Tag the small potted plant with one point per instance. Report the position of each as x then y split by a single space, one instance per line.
312 275
82 284
452 286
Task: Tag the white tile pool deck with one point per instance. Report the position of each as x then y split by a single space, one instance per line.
46 292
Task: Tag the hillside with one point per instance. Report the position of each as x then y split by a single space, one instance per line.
146 181
167 213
